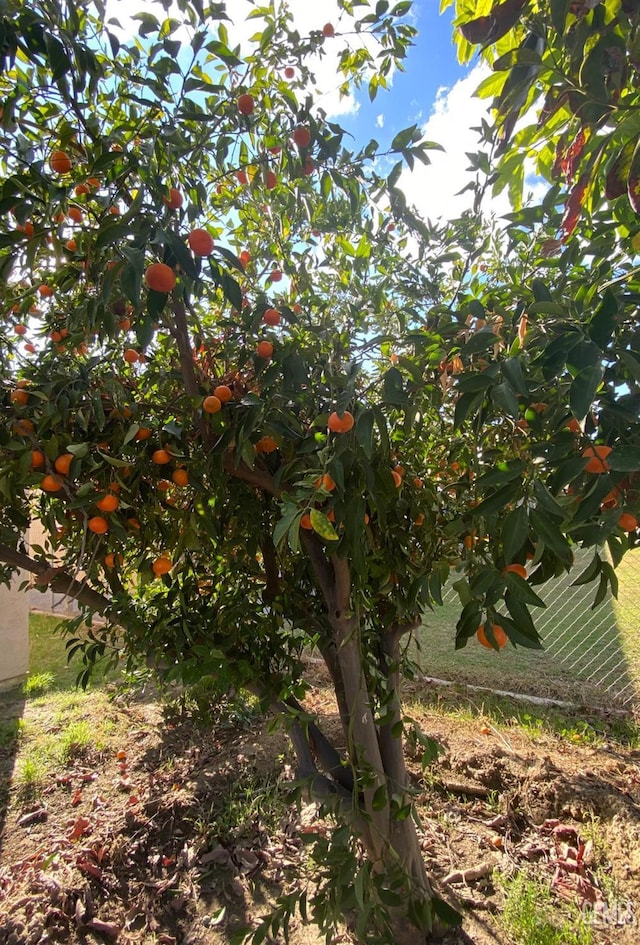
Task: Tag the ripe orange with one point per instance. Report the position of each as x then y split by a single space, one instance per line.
271 180
419 520
223 393
19 397
305 522
51 484
163 485
265 350
628 522
20 329
161 457
328 30
75 214
325 482
143 434
611 499
242 178
23 427
200 242
573 425
180 477
112 559
266 444
501 637
60 162
245 103
597 456
271 317
98 525
71 245
161 565
63 463
109 503
160 277
341 424
289 72
516 569
45 291
212 404
93 181
134 523
131 356
301 136
174 200
397 478
37 459
308 167
275 275
81 189
245 258
417 482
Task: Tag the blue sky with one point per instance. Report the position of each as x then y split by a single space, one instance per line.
431 65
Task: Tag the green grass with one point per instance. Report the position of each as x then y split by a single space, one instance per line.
48 666
531 918
602 644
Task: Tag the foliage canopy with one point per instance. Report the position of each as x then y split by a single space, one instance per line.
265 407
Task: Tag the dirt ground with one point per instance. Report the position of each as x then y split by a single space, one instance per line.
132 840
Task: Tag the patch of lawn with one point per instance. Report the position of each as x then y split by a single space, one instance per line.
49 669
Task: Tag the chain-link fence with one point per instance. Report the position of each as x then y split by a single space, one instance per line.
596 650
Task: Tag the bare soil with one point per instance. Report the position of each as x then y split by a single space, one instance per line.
132 841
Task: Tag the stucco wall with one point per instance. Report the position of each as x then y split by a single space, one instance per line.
14 633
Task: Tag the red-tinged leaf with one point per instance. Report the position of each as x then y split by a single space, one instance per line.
633 182
618 175
89 777
80 827
77 797
568 158
110 929
489 29
573 206
89 868
133 799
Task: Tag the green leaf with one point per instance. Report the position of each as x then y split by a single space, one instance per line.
551 535
624 458
603 323
393 391
498 500
522 591
583 390
515 531
590 573
503 397
322 526
364 431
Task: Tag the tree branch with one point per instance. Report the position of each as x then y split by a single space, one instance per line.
261 479
59 581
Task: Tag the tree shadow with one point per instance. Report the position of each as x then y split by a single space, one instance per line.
12 703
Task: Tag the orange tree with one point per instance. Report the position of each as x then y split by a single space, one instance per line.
258 406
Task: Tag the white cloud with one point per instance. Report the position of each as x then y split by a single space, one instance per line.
434 189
